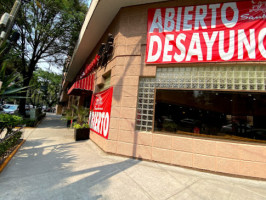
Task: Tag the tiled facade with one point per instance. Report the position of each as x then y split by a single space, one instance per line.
127 66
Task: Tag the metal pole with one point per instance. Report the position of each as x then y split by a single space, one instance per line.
13 15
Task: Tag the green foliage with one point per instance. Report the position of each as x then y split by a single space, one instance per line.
41 116
68 115
9 122
48 32
81 114
33 122
44 88
79 126
5 6
78 113
10 82
9 143
52 29
30 122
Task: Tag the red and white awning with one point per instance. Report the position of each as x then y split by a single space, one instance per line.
83 86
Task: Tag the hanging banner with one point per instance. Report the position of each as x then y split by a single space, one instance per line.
233 31
100 113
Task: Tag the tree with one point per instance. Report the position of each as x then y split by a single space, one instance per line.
48 33
5 6
11 88
44 88
10 78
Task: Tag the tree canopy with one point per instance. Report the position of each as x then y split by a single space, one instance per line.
44 88
48 31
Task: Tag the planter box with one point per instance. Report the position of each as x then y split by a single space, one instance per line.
82 134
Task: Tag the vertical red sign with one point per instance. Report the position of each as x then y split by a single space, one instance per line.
99 119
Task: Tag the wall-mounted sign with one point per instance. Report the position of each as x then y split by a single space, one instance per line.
89 67
99 119
233 31
100 59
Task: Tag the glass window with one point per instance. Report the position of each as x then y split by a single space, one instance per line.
232 115
250 78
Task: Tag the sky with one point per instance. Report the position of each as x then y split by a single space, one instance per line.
47 67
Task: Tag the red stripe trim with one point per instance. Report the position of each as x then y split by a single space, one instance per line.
86 83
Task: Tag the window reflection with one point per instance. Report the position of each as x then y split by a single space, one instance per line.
234 115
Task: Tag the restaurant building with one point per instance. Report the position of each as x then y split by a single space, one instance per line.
176 82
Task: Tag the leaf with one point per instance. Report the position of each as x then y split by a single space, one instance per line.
16 90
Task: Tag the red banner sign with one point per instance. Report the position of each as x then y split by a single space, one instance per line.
89 67
233 31
99 119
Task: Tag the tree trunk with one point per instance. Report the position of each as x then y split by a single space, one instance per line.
22 101
27 77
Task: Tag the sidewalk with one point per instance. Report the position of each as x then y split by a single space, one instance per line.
51 165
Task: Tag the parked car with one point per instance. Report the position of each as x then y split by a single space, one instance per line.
230 129
10 108
227 128
49 109
259 134
190 125
190 122
28 107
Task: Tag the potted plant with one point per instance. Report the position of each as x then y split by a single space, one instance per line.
81 126
82 132
68 116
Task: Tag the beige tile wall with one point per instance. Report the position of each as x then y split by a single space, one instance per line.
127 65
208 154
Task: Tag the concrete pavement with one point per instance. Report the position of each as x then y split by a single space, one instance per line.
51 165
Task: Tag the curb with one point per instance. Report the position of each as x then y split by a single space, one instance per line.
4 164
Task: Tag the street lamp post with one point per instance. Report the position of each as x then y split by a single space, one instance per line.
12 16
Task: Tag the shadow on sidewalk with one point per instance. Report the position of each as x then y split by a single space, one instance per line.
57 171
53 121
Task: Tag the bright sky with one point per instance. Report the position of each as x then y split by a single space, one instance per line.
47 67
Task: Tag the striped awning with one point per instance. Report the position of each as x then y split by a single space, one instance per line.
83 86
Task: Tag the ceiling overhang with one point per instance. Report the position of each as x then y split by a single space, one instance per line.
99 16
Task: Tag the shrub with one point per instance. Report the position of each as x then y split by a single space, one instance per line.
30 122
9 142
41 116
33 122
78 114
9 122
78 126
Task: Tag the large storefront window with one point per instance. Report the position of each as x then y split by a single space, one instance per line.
217 77
235 115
